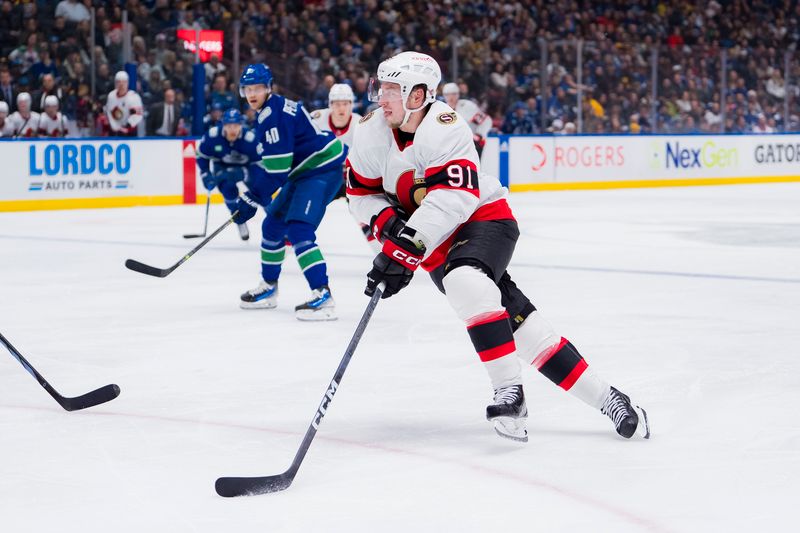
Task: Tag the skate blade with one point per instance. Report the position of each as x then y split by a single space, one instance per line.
511 428
263 304
317 315
643 428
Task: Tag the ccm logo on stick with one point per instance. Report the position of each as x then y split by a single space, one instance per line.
323 407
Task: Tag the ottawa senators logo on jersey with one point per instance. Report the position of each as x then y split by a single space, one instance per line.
366 117
116 113
316 114
448 117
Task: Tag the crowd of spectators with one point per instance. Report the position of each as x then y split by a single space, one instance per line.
518 60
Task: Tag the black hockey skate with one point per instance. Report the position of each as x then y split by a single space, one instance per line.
629 419
508 413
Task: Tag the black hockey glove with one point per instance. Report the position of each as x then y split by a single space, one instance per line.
386 223
395 265
247 205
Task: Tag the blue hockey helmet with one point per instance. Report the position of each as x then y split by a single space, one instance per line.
232 116
255 74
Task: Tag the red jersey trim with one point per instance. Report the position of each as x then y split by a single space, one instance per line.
497 210
363 180
460 162
338 131
400 146
475 192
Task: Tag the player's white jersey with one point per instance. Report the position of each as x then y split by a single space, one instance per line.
434 181
7 128
121 108
25 127
479 122
52 127
322 118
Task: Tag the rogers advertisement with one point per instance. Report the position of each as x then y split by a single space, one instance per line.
210 42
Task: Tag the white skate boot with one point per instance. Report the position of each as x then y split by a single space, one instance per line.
265 296
320 307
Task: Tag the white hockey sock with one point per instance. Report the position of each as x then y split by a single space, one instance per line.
476 300
559 361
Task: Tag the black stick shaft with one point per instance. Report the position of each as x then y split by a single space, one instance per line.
241 486
25 364
327 398
208 203
138 266
90 399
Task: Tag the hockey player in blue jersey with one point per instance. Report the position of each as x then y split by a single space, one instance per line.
306 163
226 155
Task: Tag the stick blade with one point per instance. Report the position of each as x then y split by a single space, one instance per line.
136 266
90 399
193 235
229 487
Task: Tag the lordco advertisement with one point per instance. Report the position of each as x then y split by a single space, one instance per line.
63 169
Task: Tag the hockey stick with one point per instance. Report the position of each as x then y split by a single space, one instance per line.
136 266
90 399
251 486
205 227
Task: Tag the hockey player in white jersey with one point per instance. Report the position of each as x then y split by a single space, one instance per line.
6 126
123 108
338 117
52 123
479 122
341 120
24 121
414 174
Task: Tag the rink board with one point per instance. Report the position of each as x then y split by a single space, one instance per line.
528 163
44 174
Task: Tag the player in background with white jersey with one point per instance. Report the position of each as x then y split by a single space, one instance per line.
6 126
25 122
123 108
340 119
414 174
479 122
52 123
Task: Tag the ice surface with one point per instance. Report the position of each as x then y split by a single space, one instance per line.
686 299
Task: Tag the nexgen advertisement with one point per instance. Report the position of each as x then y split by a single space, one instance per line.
90 173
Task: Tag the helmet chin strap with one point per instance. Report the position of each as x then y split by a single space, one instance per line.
408 112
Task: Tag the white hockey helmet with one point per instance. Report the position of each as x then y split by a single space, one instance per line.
450 88
340 92
3 107
51 100
23 97
408 69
